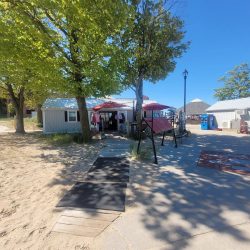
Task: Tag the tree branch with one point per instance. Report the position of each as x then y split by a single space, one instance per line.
44 29
133 88
12 95
58 25
3 88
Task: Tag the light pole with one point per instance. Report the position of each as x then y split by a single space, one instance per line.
185 74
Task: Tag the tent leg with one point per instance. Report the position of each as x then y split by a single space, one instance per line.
174 139
139 142
153 142
162 141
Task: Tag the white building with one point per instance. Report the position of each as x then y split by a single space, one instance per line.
228 113
61 115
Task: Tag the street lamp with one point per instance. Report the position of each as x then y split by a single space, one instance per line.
185 74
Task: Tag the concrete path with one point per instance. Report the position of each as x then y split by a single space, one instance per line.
92 222
177 205
115 146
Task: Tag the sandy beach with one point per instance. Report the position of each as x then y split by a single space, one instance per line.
33 178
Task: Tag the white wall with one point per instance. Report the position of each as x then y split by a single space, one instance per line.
54 122
223 116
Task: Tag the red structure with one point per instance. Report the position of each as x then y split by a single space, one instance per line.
155 106
110 105
155 126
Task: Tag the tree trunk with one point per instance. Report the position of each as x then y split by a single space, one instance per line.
78 76
18 103
19 122
39 114
139 100
84 118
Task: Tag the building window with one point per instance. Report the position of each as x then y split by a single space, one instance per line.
72 116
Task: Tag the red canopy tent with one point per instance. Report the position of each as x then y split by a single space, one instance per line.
155 106
156 125
159 124
109 105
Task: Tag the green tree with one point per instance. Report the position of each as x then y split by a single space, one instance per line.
24 63
154 41
82 35
236 84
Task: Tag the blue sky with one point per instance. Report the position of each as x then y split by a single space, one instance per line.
219 31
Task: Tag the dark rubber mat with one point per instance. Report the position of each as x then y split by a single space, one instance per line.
109 169
107 196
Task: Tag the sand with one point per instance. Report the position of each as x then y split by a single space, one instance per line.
33 178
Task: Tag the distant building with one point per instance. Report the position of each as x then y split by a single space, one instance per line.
194 109
229 113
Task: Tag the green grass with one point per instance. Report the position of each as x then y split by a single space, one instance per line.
145 154
62 139
58 139
32 120
4 119
7 122
29 123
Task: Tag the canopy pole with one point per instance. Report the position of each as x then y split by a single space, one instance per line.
139 143
152 137
162 141
153 142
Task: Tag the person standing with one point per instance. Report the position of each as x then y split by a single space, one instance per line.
122 120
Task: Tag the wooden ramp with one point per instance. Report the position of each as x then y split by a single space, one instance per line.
84 222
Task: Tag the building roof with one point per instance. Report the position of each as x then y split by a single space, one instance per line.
70 103
195 107
196 100
242 103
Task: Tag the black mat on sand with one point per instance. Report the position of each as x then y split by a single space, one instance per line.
108 196
109 169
